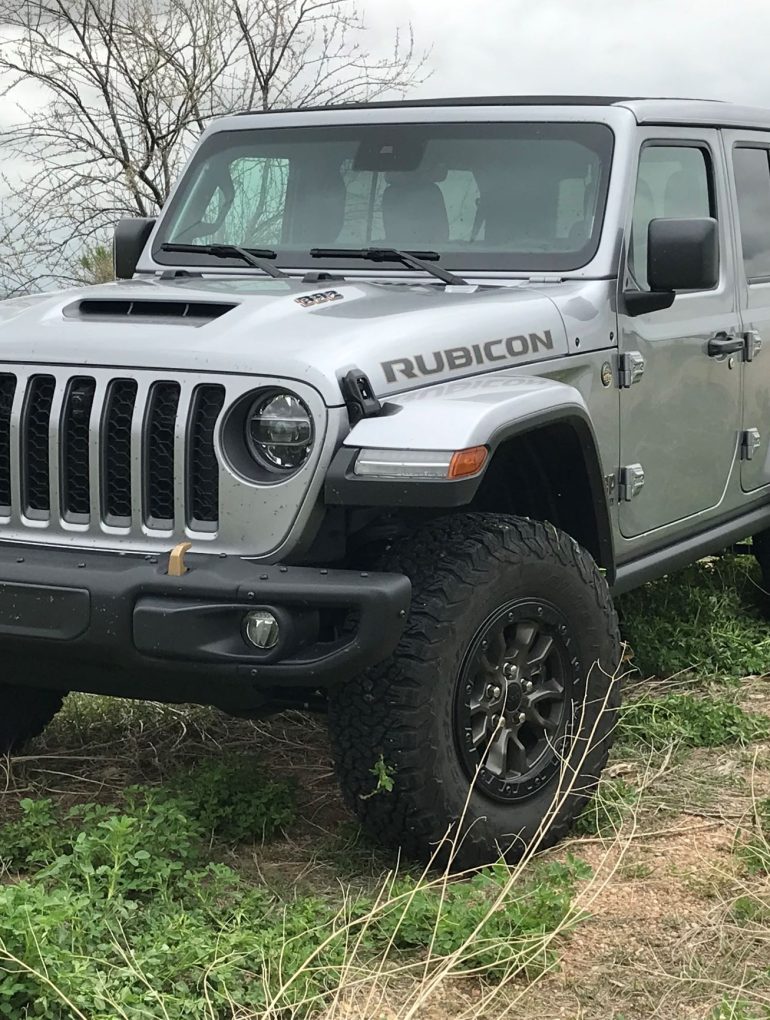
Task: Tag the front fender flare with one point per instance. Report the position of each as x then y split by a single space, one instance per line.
455 416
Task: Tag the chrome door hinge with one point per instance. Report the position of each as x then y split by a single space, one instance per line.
630 482
753 342
631 367
750 443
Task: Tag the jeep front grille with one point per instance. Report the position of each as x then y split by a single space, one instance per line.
93 457
159 473
7 390
203 496
36 420
121 453
75 452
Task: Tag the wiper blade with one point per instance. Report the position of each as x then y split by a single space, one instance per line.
413 259
253 256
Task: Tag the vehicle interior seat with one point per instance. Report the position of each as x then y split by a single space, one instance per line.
414 213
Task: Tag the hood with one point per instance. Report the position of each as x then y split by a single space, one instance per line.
402 335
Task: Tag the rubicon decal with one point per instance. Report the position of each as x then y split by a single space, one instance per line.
454 359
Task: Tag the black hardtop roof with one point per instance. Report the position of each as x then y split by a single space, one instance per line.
467 101
458 101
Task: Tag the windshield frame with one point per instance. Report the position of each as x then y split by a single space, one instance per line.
482 263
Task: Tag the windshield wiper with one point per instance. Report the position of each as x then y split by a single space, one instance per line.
412 259
253 256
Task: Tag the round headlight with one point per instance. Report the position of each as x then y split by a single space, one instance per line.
279 431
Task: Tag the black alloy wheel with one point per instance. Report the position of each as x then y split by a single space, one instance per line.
513 700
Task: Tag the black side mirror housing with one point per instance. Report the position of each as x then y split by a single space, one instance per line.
682 254
130 240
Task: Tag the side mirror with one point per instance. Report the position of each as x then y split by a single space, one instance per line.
681 255
130 240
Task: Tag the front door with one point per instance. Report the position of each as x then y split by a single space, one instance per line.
748 157
680 421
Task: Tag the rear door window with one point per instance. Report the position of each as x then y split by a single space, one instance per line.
752 183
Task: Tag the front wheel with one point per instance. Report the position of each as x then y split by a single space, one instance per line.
493 719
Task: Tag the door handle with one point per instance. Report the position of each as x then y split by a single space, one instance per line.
724 343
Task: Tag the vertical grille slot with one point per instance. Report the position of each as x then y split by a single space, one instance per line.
76 418
36 420
116 451
7 393
160 425
202 465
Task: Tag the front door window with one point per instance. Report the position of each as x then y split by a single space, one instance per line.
674 182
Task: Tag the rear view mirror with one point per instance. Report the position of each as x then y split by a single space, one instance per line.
393 151
131 237
682 254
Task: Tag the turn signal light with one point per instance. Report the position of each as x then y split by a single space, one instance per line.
421 464
467 462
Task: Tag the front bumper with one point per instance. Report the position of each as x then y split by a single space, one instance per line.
115 623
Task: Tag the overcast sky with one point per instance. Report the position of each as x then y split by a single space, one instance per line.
697 48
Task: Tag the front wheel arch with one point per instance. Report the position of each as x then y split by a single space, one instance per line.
549 470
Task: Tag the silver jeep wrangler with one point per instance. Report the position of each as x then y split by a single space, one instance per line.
382 409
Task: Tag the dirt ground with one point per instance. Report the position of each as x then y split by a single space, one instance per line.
660 938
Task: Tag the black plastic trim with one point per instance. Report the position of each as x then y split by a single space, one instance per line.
641 302
130 239
122 626
459 101
359 396
344 488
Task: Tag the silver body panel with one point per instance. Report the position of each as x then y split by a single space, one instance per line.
682 421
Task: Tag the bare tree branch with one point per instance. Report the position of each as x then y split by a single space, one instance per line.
128 85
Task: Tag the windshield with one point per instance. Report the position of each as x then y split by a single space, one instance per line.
504 196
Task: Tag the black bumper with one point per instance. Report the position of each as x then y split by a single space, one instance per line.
118 624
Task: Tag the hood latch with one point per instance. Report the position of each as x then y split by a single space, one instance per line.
358 394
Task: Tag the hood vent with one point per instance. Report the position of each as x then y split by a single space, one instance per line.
191 313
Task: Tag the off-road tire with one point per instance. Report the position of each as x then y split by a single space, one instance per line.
401 713
24 713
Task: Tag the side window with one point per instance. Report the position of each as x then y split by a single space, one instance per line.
674 181
752 183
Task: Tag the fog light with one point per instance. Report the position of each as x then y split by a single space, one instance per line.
261 629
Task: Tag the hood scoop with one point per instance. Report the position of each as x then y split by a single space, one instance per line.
185 313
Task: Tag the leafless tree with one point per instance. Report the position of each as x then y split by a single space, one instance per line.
110 94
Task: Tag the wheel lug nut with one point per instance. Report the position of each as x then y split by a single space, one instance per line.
522 717
528 685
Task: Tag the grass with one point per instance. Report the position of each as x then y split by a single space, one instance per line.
706 620
118 910
756 851
710 720
165 862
